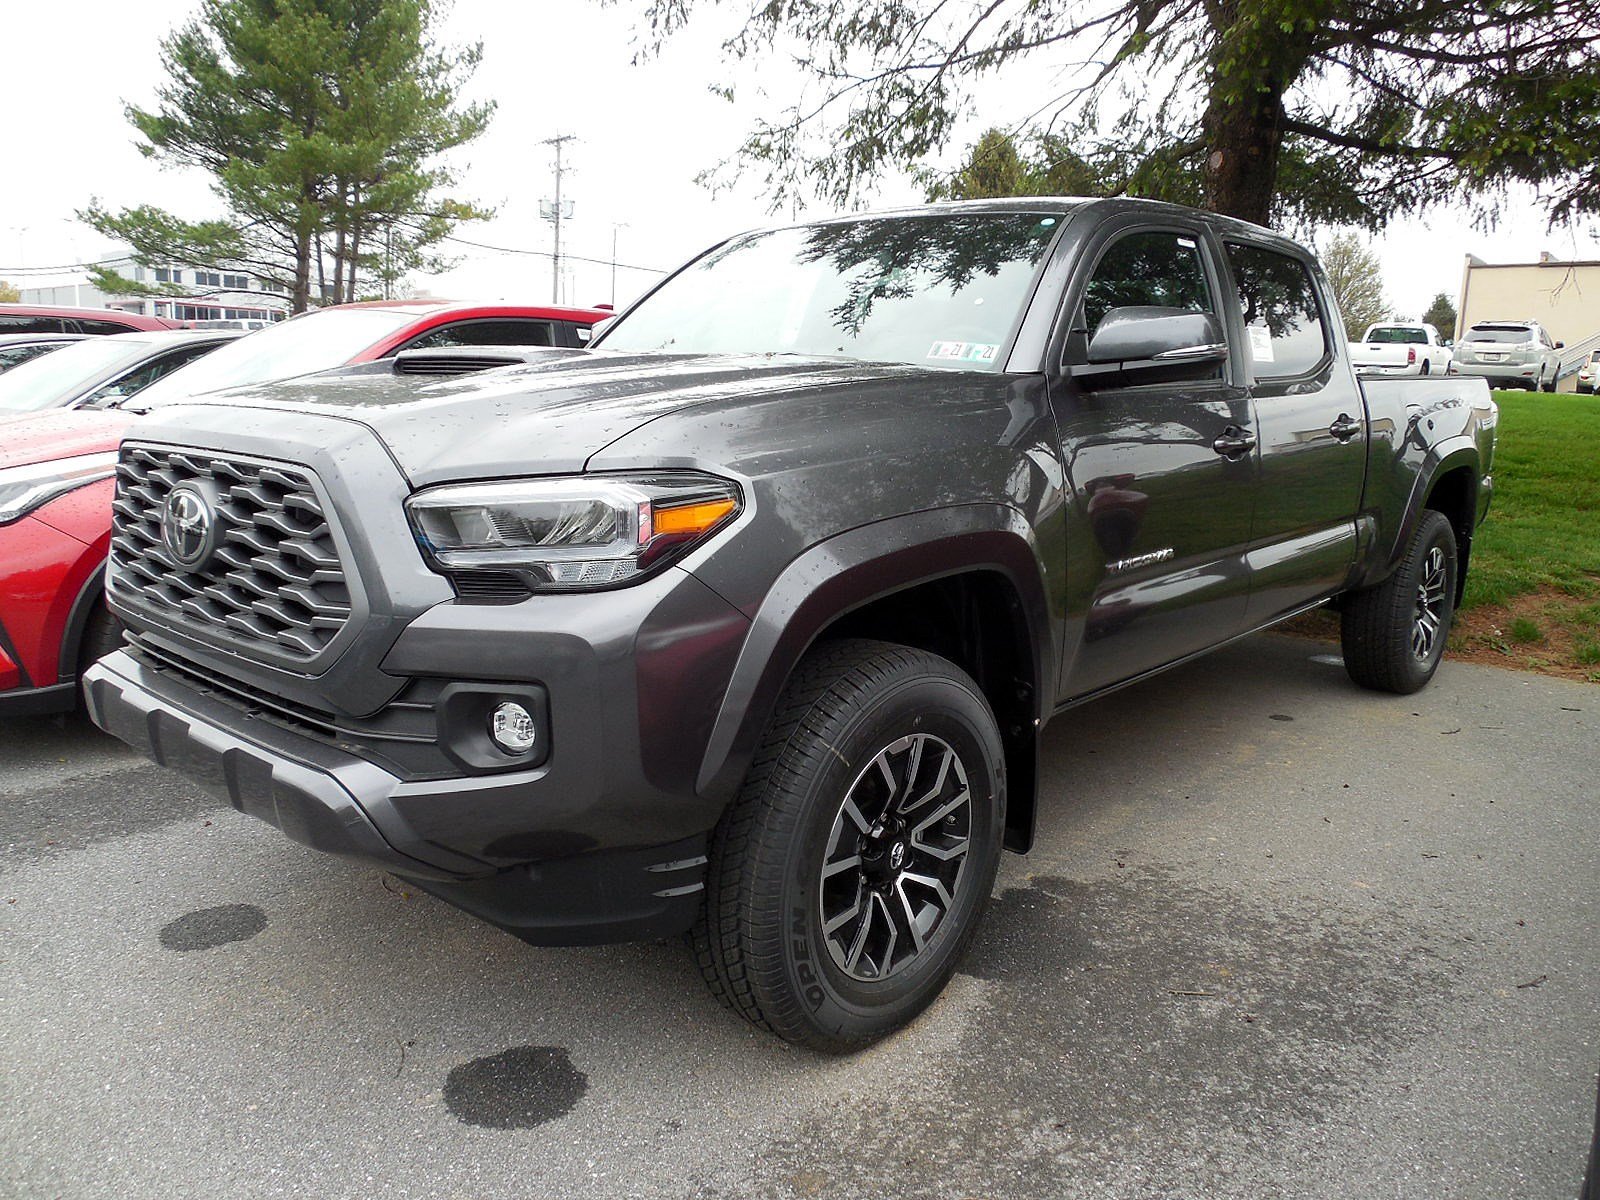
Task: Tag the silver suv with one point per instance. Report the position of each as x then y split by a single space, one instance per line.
1510 354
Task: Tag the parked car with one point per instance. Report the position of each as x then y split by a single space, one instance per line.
348 334
34 318
1588 373
18 348
746 623
103 371
1396 348
55 492
1510 354
55 524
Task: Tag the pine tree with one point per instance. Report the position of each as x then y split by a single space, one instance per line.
320 123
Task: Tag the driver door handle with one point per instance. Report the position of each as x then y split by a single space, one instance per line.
1234 441
1345 428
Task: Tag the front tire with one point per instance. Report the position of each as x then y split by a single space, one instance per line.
101 635
847 879
1394 634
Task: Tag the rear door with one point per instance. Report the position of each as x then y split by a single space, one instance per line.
1162 475
1311 421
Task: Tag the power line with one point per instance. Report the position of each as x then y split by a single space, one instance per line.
56 270
602 262
12 272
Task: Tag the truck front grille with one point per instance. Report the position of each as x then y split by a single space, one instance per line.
272 580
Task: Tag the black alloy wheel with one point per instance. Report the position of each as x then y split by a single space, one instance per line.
848 877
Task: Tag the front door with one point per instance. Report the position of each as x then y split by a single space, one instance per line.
1162 476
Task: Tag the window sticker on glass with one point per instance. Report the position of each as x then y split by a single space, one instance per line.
964 351
1186 243
1260 343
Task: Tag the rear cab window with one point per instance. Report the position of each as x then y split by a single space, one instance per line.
1286 334
1393 335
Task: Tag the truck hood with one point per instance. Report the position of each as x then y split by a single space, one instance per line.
543 418
60 433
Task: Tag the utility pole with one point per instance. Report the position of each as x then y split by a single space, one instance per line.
556 213
615 225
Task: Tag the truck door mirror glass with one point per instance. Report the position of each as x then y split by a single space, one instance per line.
1154 342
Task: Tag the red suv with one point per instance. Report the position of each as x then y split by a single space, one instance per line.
33 318
56 467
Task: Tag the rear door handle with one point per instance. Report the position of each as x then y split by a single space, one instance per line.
1345 428
1234 441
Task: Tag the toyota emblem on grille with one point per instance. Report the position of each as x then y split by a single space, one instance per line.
188 526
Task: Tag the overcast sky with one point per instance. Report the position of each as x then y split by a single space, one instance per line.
643 135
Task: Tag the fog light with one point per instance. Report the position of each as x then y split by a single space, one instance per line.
512 728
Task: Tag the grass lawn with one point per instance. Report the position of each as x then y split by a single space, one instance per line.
1533 590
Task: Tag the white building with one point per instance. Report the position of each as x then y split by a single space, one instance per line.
215 295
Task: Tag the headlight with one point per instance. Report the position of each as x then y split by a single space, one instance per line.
23 489
570 534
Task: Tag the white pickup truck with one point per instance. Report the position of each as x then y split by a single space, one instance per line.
1396 348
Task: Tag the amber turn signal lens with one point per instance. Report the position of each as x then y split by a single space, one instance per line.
691 519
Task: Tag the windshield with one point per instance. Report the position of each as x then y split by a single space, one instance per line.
1499 333
314 342
57 378
939 290
1391 335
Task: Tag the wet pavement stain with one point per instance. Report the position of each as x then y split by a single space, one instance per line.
208 928
1136 1024
515 1089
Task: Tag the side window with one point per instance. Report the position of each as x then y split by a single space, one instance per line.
102 327
1283 322
510 332
142 377
22 324
1164 270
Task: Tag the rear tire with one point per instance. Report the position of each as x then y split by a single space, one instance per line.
849 875
1424 370
1394 634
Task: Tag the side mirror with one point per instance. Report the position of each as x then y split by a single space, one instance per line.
1561 345
1140 342
107 397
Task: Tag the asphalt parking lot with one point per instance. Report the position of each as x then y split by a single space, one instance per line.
1280 937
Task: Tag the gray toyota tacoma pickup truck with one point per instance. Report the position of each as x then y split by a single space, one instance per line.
744 625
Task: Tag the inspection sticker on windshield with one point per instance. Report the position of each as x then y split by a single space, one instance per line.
965 351
1260 343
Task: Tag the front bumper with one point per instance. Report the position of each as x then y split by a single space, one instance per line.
331 801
